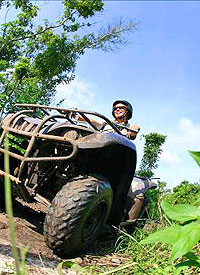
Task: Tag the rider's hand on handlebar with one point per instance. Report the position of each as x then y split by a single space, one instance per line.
132 135
135 127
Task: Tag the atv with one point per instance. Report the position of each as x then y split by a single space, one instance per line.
80 173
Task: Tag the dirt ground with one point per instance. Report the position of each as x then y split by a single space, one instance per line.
40 259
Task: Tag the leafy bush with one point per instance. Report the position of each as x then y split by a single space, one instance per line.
184 193
183 236
151 155
155 196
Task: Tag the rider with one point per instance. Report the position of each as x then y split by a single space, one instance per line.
122 112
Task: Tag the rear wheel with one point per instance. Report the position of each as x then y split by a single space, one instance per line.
76 215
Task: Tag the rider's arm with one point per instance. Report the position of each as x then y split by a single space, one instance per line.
97 123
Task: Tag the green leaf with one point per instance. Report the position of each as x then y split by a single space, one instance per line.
195 156
169 236
181 212
191 256
180 269
69 264
189 263
197 202
188 237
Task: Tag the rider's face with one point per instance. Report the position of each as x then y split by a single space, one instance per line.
119 111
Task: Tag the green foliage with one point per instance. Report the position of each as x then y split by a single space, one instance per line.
45 55
195 156
21 68
168 236
15 142
90 270
85 8
189 236
149 162
19 264
151 155
192 260
181 212
183 237
70 265
152 260
155 196
184 193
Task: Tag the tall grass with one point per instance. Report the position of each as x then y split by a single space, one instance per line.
19 265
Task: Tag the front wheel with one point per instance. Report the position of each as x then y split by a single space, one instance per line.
76 215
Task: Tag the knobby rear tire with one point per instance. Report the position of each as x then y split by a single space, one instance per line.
76 215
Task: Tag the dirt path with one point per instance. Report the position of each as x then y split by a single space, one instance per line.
28 224
40 259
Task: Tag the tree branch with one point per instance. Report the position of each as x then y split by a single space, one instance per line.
111 35
37 33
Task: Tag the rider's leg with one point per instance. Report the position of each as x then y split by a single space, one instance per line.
136 207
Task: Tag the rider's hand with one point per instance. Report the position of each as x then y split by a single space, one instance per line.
135 127
132 135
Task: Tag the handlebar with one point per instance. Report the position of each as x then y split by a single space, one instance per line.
69 113
125 127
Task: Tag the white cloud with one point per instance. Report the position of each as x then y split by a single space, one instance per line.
187 137
185 124
169 157
175 163
78 93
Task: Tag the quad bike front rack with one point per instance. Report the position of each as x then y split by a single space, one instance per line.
27 124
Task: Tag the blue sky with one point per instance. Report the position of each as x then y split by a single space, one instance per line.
158 72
